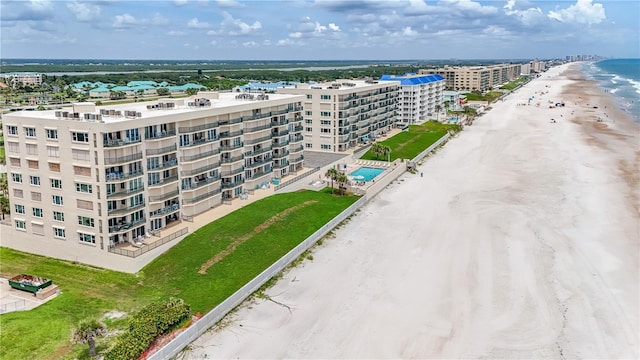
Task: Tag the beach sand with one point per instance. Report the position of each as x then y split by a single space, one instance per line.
520 241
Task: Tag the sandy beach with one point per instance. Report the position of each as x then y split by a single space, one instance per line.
520 241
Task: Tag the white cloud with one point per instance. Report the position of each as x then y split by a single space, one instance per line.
296 35
469 6
408 31
235 27
84 12
495 31
195 23
285 42
229 4
126 21
250 44
334 27
179 2
175 33
582 12
529 17
40 5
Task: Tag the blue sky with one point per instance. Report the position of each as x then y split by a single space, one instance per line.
318 29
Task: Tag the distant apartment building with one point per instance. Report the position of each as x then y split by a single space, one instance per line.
88 183
537 66
476 78
420 96
23 78
341 114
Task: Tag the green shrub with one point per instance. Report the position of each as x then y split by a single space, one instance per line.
147 324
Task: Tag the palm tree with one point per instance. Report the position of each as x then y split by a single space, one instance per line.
376 148
332 174
87 332
386 152
342 180
438 108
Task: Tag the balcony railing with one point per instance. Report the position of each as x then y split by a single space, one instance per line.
126 192
298 159
260 173
281 143
231 185
162 150
164 165
121 142
231 147
230 134
199 198
122 159
258 140
233 172
258 128
189 129
280 154
297 149
126 209
118 176
200 170
200 183
165 210
164 181
163 197
296 139
230 121
188 158
201 141
160 134
126 226
257 151
280 165
232 159
280 133
257 163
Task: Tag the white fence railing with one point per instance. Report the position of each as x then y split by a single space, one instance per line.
198 328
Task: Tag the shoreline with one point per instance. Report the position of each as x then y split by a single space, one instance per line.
532 256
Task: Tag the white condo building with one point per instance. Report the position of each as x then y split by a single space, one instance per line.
340 114
420 96
102 185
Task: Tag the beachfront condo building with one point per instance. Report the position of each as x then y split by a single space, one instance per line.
104 185
476 78
421 96
344 113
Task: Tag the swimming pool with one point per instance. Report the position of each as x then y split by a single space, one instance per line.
367 173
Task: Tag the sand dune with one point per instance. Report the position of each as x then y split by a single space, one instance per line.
521 241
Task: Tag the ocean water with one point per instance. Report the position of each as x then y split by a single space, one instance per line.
621 78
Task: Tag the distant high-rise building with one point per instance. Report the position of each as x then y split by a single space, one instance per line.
420 96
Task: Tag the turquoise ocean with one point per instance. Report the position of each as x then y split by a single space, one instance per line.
621 78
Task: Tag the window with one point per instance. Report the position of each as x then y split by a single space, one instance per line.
82 171
13 147
136 200
308 121
52 134
33 164
36 196
325 147
34 180
325 131
37 212
58 232
80 137
84 188
77 154
308 129
30 132
308 145
53 151
309 96
325 122
184 140
19 209
32 149
17 178
85 221
56 183
15 162
325 97
57 200
308 113
325 113
87 238
58 216
54 167
12 130
21 225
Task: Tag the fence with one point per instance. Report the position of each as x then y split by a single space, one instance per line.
13 306
430 148
289 182
148 247
183 339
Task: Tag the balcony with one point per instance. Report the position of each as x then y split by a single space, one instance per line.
125 192
296 139
259 173
189 129
280 122
167 164
257 163
201 141
126 225
165 210
160 151
189 158
258 140
126 209
281 143
257 151
280 165
231 185
232 159
230 121
258 128
231 173
164 181
298 159
297 149
231 147
160 135
200 183
200 170
298 128
118 176
163 197
121 142
122 159
199 198
280 133
230 134
281 154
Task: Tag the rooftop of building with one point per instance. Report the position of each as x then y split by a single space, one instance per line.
413 78
341 84
146 109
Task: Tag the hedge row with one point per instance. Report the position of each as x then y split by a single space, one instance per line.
150 322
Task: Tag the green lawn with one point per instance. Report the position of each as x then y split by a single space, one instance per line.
44 333
408 144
